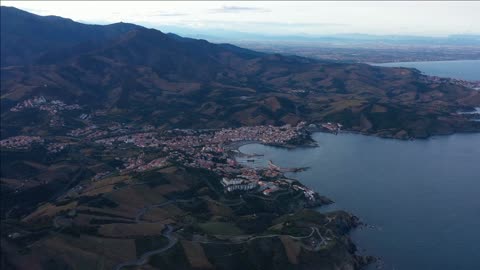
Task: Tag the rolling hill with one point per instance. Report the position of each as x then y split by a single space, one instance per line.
143 75
94 173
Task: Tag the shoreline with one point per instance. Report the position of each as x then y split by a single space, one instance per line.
423 61
392 136
361 260
321 201
369 226
308 141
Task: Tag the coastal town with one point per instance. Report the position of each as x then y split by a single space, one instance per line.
211 150
239 135
475 85
142 151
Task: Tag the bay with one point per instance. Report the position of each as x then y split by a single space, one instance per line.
422 197
459 69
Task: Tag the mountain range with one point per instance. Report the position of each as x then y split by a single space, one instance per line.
119 147
136 74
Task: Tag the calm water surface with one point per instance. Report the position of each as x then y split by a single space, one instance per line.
423 196
462 69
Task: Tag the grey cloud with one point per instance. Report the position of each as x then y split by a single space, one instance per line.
280 24
238 9
269 24
168 14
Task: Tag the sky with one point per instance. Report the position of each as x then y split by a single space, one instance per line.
276 18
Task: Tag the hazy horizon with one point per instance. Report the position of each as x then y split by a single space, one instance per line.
432 19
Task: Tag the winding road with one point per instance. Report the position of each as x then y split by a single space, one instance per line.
239 239
146 256
167 232
172 240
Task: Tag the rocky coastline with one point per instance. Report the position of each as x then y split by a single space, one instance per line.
351 260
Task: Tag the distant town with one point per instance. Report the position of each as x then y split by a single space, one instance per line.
466 83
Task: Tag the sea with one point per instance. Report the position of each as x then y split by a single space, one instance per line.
460 69
420 199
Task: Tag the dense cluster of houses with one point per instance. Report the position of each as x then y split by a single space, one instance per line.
192 148
138 139
52 107
56 147
264 134
466 83
205 149
41 103
21 142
